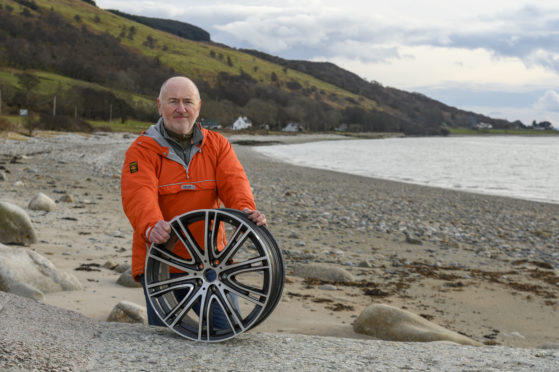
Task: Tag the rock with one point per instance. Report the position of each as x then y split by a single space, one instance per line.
514 335
67 198
41 202
126 280
549 346
392 324
128 312
110 265
328 287
410 239
19 184
116 234
365 263
27 273
120 268
26 290
3 176
15 225
293 235
328 273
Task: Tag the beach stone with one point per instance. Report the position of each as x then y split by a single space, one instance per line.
128 312
126 280
120 268
328 287
110 265
365 263
41 202
67 198
15 225
27 273
325 272
3 176
549 346
389 323
19 184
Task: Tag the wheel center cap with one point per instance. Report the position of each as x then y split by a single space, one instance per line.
210 275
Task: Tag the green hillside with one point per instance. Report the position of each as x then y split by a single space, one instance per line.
102 65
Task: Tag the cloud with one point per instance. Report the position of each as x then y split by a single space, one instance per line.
548 102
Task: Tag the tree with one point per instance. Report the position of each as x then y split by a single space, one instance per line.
28 82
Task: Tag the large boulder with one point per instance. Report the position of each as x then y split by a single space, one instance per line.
27 273
324 272
128 312
41 202
392 324
15 225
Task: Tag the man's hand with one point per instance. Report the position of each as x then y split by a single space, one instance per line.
160 233
255 216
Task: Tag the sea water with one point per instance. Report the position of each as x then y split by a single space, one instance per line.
522 167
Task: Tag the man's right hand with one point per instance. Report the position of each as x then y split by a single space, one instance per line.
160 233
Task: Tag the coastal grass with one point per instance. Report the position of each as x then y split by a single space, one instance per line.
132 126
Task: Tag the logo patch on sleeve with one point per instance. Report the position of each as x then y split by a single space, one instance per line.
134 167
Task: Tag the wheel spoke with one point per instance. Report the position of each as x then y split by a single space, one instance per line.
173 260
233 245
234 268
229 310
170 285
179 305
190 243
243 292
186 307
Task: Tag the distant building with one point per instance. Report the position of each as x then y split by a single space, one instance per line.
483 126
210 124
342 127
242 122
293 127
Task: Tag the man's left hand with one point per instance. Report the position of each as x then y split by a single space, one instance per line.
255 216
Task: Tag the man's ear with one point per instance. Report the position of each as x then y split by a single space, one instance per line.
159 107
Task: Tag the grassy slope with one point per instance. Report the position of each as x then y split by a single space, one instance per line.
190 57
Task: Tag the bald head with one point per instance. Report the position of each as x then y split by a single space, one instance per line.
178 80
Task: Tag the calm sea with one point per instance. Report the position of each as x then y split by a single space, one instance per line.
520 166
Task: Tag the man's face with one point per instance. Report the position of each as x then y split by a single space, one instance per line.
179 105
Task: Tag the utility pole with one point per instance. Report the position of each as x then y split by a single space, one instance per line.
54 107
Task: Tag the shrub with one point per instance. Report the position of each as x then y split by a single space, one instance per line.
6 125
63 123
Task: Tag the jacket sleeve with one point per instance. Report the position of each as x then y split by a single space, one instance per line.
139 190
232 183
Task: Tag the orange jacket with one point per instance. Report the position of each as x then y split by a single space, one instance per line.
156 184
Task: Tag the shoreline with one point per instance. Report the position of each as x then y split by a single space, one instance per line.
257 141
477 259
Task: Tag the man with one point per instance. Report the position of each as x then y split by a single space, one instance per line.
175 167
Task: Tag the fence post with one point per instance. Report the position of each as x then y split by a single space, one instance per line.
54 107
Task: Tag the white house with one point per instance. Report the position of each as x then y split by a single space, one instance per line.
293 127
242 122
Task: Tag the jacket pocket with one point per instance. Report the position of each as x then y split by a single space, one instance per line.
187 186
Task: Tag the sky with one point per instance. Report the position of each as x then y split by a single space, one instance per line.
499 58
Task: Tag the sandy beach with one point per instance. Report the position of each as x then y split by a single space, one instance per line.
483 266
